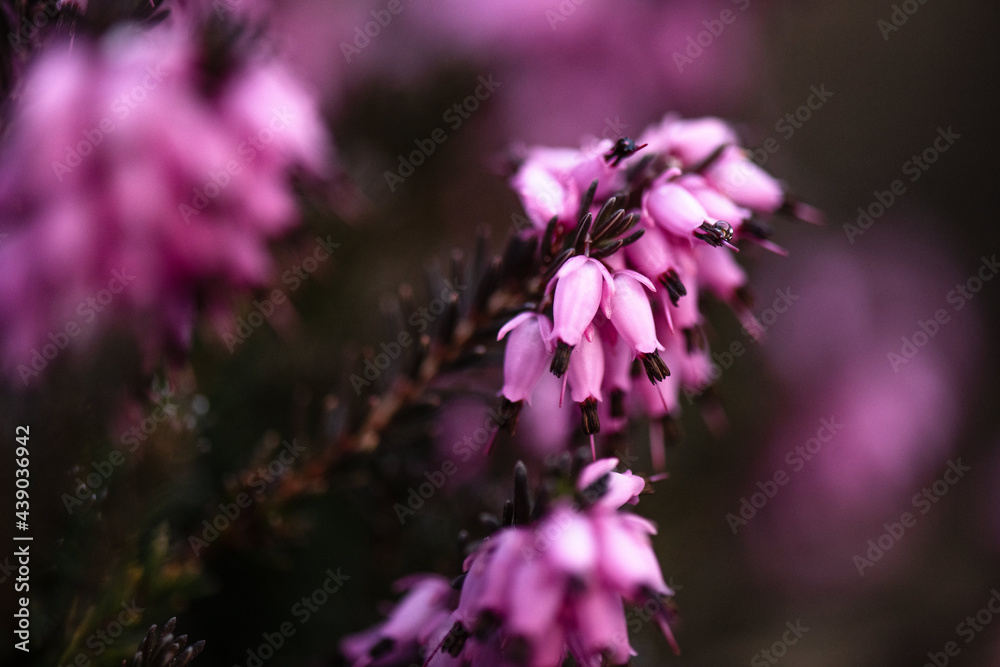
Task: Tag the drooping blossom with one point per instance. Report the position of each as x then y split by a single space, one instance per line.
581 285
426 605
137 188
539 589
688 195
527 358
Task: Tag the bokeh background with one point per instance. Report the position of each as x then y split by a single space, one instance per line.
565 71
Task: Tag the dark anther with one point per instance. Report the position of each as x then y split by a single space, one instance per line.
623 148
656 370
454 641
717 234
560 362
675 288
591 422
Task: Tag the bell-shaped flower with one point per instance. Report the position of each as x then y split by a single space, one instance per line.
739 178
585 376
544 187
695 139
427 605
632 317
671 206
582 284
526 357
601 486
717 205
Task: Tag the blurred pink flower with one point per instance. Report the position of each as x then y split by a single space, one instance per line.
532 594
427 604
135 189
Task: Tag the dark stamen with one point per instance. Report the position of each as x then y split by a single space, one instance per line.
454 642
591 422
623 148
560 362
675 288
656 369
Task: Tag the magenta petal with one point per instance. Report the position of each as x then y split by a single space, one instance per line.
674 208
586 370
632 316
527 355
574 547
578 292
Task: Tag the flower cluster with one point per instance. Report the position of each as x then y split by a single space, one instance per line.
688 194
140 182
553 582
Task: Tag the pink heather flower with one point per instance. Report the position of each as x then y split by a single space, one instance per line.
618 488
672 207
717 205
632 317
544 188
698 195
428 603
738 177
691 141
534 594
550 181
528 355
581 285
585 376
122 175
